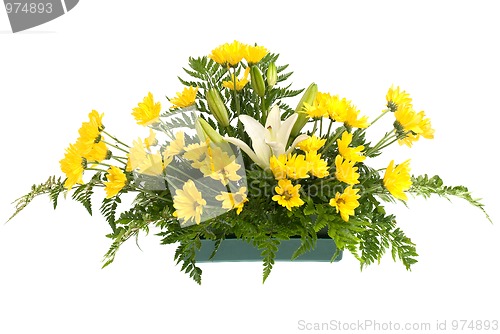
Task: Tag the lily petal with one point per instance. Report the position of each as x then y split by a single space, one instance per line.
296 141
277 148
251 154
286 128
257 133
273 120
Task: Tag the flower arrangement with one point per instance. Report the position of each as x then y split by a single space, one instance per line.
231 159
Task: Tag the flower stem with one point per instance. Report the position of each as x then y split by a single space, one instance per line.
115 139
115 146
379 117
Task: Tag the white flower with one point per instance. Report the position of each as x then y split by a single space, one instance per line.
267 140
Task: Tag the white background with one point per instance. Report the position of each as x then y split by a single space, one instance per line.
107 55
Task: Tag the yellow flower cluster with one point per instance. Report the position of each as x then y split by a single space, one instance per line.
297 166
410 124
337 109
230 54
346 172
89 148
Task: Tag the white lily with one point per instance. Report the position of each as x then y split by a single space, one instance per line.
267 140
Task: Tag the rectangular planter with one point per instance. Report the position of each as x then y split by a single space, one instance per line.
237 250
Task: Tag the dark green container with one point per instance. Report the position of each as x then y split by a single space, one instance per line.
237 250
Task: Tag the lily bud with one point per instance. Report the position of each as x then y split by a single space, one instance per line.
206 131
308 97
272 74
217 107
258 84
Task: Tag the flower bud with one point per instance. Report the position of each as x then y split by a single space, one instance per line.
217 107
258 84
206 131
272 74
308 97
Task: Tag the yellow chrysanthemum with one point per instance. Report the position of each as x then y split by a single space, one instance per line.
197 153
151 139
95 119
116 181
317 166
278 166
345 171
174 148
97 153
311 144
254 54
320 106
89 135
398 180
233 200
73 166
148 111
145 162
240 83
128 167
409 120
293 166
350 153
189 203
287 195
185 98
397 98
297 166
425 127
228 54
346 202
219 165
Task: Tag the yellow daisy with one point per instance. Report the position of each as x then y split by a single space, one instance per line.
408 119
398 180
317 166
116 181
151 140
145 162
350 153
346 202
397 98
185 98
424 125
148 111
95 119
174 148
240 83
219 165
197 153
278 166
345 171
97 153
189 203
73 166
297 167
287 195
233 200
311 144
254 54
229 54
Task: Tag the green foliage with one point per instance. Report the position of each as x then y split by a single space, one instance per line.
53 187
426 186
